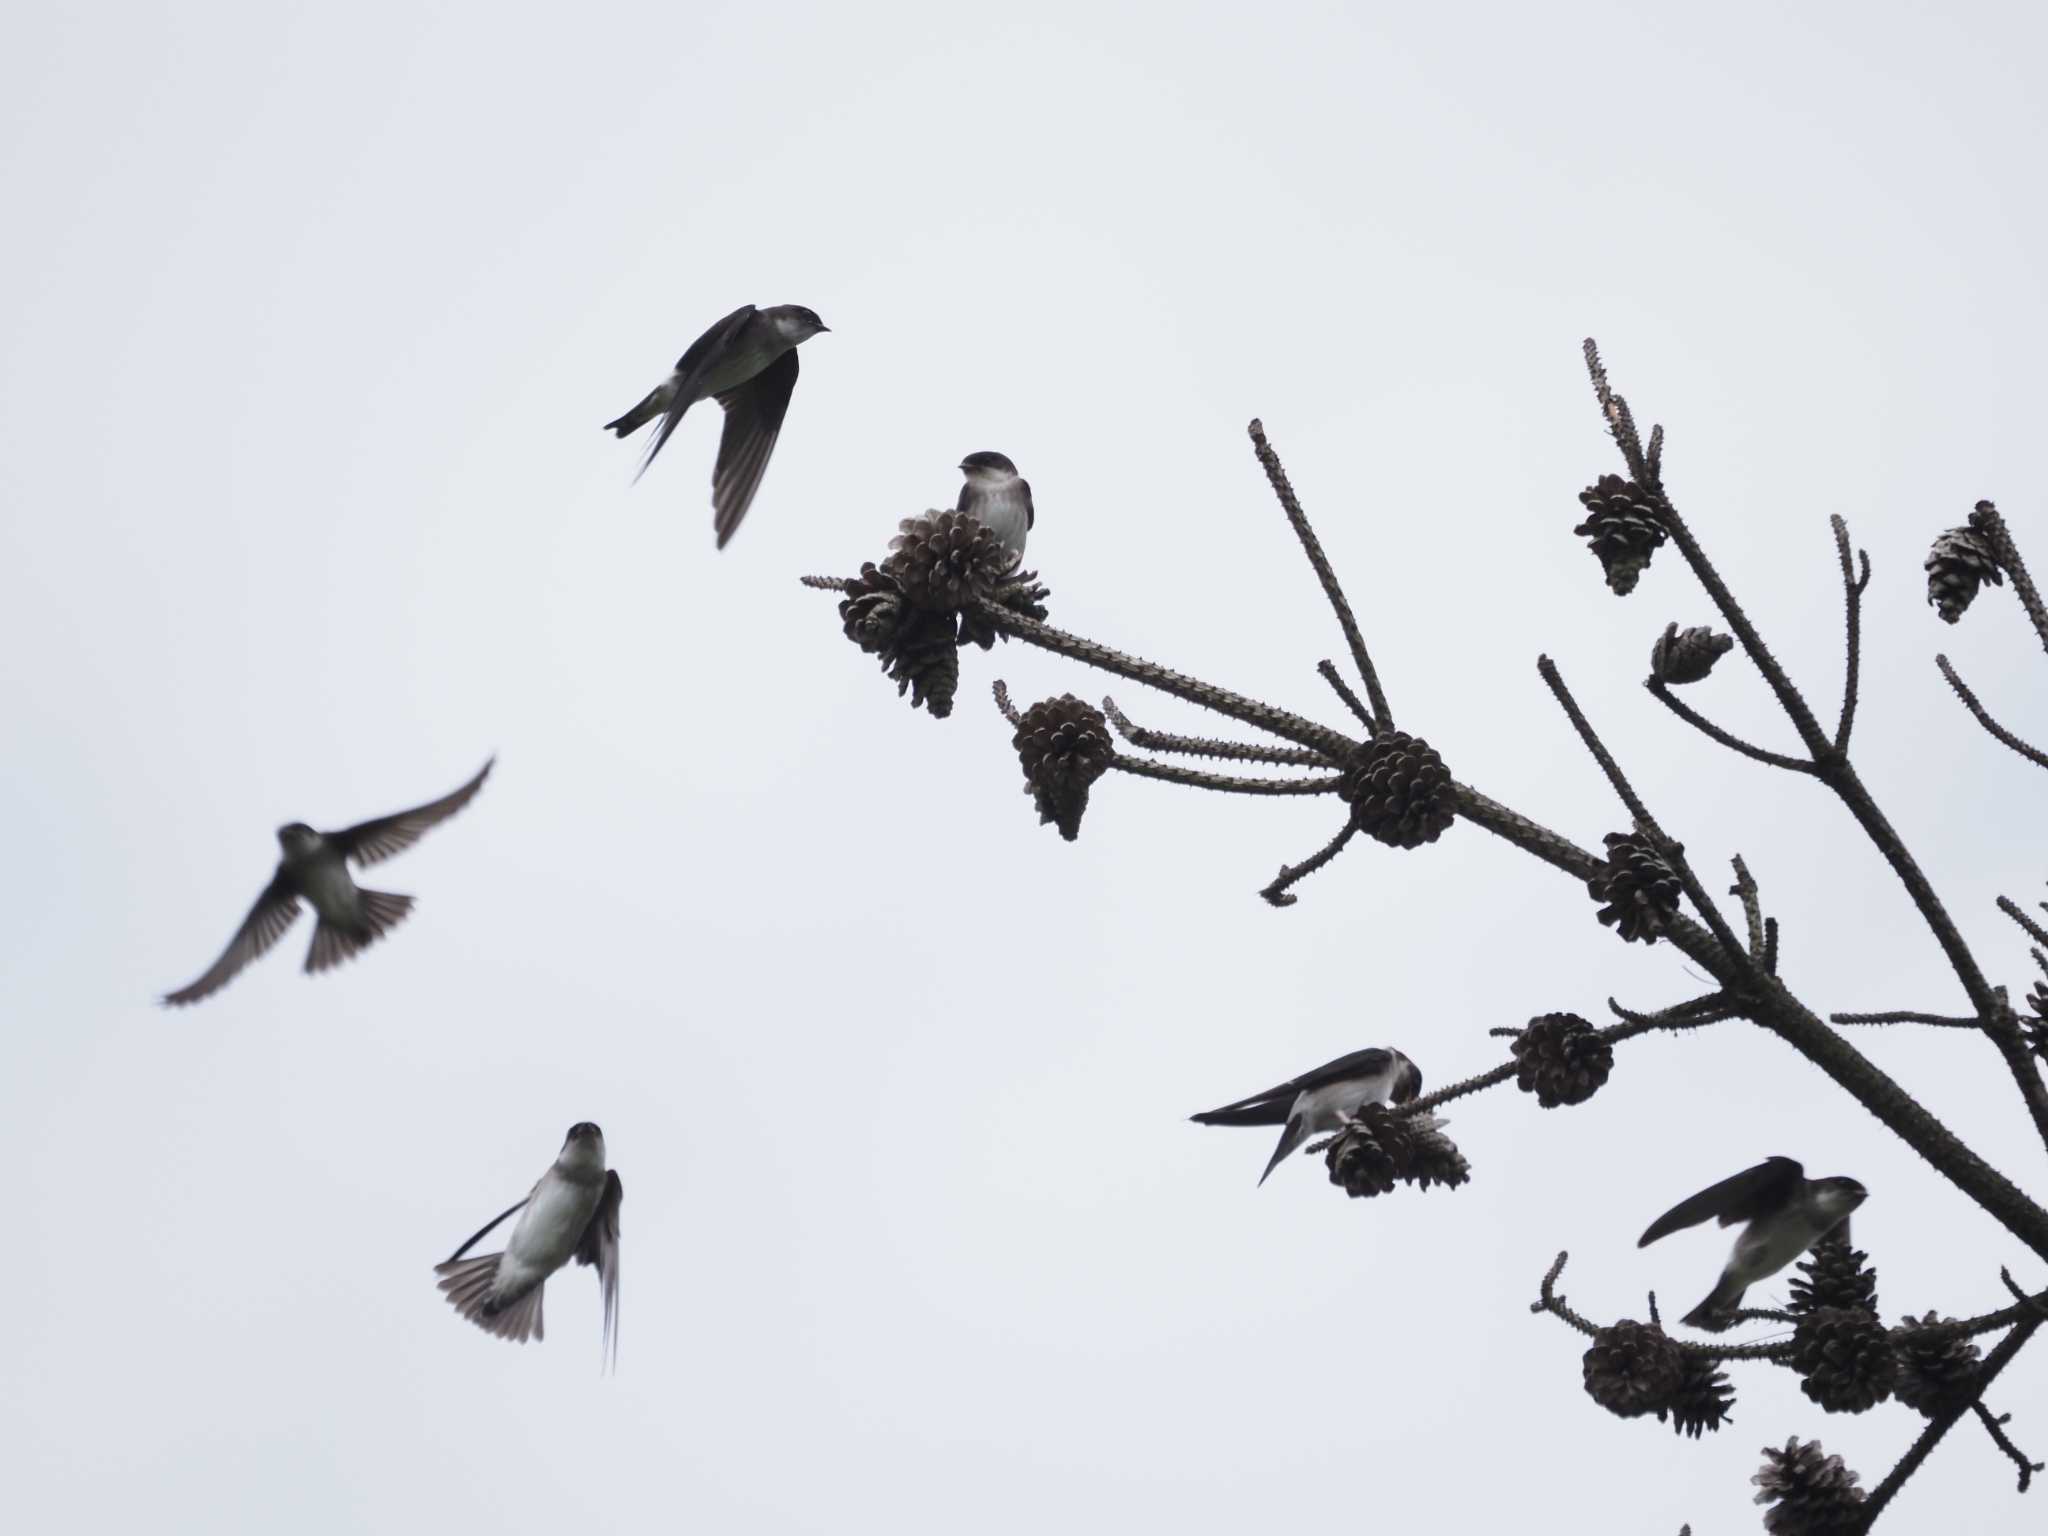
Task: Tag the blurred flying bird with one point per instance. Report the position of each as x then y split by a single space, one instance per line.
747 362
315 866
572 1212
1787 1214
1322 1100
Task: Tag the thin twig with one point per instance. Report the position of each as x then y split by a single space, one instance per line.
1672 853
1621 422
1293 874
1995 1428
1945 1420
1335 679
1207 746
1998 732
1987 521
1852 600
1311 546
1744 889
1174 773
1770 946
1905 1016
2012 910
1729 739
1549 1301
830 583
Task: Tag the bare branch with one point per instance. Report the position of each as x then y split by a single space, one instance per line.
1311 546
2012 910
1173 773
1729 739
1987 521
1852 601
1671 851
1902 1016
1335 679
1205 746
1277 894
1744 889
1549 1301
1995 1428
1009 710
1622 423
1266 717
1998 732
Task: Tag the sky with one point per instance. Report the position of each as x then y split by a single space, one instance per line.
315 313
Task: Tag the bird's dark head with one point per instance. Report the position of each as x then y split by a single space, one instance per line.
297 838
1407 1080
1838 1197
583 1147
987 466
797 323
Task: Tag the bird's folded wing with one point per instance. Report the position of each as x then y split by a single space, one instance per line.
1281 1096
485 1230
266 923
1740 1198
372 841
753 420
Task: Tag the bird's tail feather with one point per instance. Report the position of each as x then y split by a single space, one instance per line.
1712 1314
1256 1114
333 943
1289 1140
638 417
467 1284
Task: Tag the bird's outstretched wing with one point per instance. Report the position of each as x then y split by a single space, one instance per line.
486 1229
1274 1105
1741 1198
691 368
599 1245
370 842
753 420
266 923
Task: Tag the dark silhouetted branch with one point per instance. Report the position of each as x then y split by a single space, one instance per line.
1852 602
1276 476
1728 739
1902 1016
1995 1428
1205 746
1335 679
1293 874
1998 732
1173 773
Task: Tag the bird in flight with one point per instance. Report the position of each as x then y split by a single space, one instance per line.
1787 1214
315 867
572 1212
1322 1100
747 363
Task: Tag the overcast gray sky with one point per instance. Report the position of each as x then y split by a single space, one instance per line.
313 317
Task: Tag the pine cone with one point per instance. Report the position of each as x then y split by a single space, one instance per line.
1378 1150
1845 1355
1935 1369
1833 1276
1638 891
1633 1368
1702 1400
1623 527
1561 1059
943 559
1065 747
926 661
1960 562
1399 790
1809 1492
1687 655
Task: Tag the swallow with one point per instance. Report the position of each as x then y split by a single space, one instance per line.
1787 1214
572 1212
747 363
315 866
1322 1100
1000 497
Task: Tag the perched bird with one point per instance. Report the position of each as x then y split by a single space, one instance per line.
572 1212
1000 497
315 866
1787 1214
747 362
1322 1100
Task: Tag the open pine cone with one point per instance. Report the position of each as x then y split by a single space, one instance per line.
1623 528
1638 891
1809 1493
1846 1359
1064 745
1958 565
1561 1059
1399 790
1633 1368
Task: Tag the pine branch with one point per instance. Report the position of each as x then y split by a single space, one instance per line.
1998 732
1205 746
1729 739
1852 602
